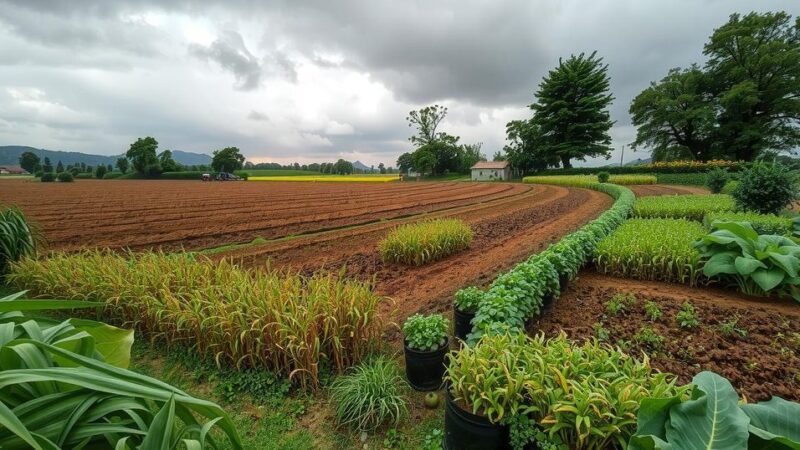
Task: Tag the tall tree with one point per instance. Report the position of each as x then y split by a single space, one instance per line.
342 167
28 161
755 62
429 140
426 121
524 150
676 116
167 163
571 109
227 160
499 156
122 164
405 162
381 168
47 167
59 167
424 160
471 154
143 155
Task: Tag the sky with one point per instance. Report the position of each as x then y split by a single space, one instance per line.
315 81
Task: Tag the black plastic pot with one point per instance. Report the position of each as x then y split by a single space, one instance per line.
466 431
425 369
462 323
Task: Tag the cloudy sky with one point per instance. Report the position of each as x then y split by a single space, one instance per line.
318 80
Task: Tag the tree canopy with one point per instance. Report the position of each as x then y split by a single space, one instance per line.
167 163
29 161
227 160
122 164
143 155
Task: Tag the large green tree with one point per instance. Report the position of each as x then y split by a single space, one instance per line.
227 160
143 155
28 161
167 163
571 109
524 150
342 167
676 116
405 162
447 154
122 164
471 154
755 63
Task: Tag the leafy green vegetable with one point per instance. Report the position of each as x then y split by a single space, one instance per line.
426 333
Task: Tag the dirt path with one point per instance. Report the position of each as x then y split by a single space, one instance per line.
645 190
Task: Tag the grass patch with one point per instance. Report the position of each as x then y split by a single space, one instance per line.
424 242
652 249
692 207
587 180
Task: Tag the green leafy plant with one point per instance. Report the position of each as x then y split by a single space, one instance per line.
620 303
426 333
65 177
468 299
757 264
602 177
433 440
48 177
65 385
601 332
765 188
716 179
424 242
730 328
712 418
649 338
371 396
18 238
687 316
762 223
652 311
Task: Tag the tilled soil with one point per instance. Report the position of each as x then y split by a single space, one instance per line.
645 190
761 358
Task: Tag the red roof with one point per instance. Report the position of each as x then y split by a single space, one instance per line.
490 165
13 169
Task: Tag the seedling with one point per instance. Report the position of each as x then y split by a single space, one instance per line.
687 316
652 311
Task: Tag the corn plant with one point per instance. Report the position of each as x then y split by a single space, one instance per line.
692 207
584 395
284 322
18 238
652 249
424 242
64 385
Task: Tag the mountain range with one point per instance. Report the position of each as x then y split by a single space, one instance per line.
9 155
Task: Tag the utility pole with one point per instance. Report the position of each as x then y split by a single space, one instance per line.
622 156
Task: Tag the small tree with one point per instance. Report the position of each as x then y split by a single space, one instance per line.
765 188
167 163
28 161
122 164
47 167
227 160
716 179
100 171
59 167
143 154
603 177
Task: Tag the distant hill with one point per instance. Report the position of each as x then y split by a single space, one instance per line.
9 155
358 165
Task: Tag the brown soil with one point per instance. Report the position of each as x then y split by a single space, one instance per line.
645 190
506 232
762 363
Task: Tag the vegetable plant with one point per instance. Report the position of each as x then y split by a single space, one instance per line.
426 333
652 311
588 180
687 316
424 242
620 303
371 396
757 264
649 338
468 299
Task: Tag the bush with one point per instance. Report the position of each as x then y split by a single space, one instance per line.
716 179
427 241
84 176
372 395
18 239
652 249
38 174
100 171
426 333
468 299
288 323
584 395
692 207
729 187
65 177
112 175
765 188
48 177
762 223
603 177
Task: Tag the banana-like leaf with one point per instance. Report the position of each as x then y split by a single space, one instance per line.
774 424
112 342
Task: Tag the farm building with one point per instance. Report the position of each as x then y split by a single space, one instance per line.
16 170
491 171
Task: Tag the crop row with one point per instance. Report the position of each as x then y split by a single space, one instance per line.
426 241
519 294
287 323
588 181
692 207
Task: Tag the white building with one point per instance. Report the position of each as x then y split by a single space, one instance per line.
491 171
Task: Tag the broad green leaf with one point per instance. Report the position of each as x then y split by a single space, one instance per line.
112 342
774 424
13 424
767 279
160 433
721 263
746 266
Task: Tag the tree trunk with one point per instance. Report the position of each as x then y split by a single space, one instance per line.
565 162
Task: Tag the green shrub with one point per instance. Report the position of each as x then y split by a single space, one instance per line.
585 395
603 177
762 223
18 239
426 333
468 299
112 175
757 264
424 242
100 171
692 207
65 177
652 249
66 385
370 396
38 174
716 179
84 176
729 187
48 177
765 188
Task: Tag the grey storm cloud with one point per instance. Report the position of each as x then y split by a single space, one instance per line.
271 77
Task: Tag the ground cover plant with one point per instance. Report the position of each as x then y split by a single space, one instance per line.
370 396
580 395
762 223
289 323
18 238
652 249
758 264
65 385
692 207
588 180
426 241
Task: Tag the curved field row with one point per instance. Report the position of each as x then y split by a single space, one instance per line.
646 190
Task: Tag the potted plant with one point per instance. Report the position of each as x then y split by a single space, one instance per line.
464 307
425 347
